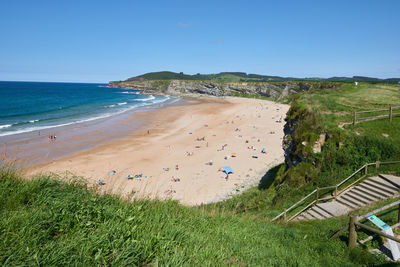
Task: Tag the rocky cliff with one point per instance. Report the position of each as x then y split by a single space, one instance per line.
275 90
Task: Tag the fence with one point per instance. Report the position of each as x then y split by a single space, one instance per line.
329 192
355 222
368 115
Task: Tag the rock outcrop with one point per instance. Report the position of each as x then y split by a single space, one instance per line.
185 87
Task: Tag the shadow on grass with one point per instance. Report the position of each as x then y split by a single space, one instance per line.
267 180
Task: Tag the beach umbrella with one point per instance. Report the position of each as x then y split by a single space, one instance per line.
227 169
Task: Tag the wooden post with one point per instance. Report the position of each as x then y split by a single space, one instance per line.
390 113
317 196
284 216
335 192
377 164
398 215
355 118
366 169
352 232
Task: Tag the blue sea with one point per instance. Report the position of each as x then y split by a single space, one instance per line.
32 106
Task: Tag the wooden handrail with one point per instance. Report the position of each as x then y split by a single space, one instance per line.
332 187
306 207
378 210
327 187
373 230
298 202
354 173
369 111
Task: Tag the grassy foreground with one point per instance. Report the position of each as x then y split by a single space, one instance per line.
49 222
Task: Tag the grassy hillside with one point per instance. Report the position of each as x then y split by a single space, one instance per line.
244 77
48 222
223 76
345 150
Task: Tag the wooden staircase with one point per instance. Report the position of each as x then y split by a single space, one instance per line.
362 194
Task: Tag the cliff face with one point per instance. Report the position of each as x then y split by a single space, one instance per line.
181 87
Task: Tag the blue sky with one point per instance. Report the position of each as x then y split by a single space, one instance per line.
99 41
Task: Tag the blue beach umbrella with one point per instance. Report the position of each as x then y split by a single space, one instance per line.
227 169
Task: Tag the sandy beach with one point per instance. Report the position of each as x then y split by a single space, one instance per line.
178 153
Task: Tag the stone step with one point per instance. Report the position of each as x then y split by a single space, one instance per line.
384 183
354 191
375 190
307 216
322 211
360 199
348 202
315 214
368 193
372 189
334 208
353 200
379 187
394 180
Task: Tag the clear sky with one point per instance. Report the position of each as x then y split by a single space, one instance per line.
99 41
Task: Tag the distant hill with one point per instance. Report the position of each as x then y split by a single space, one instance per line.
244 77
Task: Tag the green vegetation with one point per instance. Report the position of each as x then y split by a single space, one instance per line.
345 150
48 222
257 96
223 77
313 113
242 76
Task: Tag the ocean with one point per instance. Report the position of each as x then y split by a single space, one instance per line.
34 106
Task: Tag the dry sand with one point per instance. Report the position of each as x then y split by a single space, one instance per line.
170 135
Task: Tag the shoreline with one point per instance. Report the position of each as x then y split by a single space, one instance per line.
201 128
29 149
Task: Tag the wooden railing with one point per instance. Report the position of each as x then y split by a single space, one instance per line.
378 114
327 193
355 222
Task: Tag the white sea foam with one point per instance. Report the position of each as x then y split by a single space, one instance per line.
122 103
106 115
151 97
33 121
5 126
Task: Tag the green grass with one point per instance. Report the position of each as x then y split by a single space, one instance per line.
49 222
345 150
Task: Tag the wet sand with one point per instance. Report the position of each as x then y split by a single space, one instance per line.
177 151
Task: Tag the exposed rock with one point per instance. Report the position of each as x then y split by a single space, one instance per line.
276 90
385 135
319 143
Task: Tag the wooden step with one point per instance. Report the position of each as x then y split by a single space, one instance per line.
307 216
362 200
375 190
394 180
379 187
384 183
323 212
367 192
348 202
315 214
363 195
